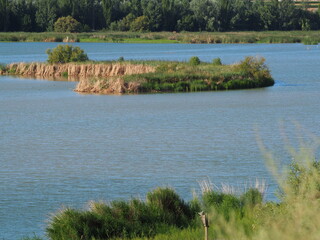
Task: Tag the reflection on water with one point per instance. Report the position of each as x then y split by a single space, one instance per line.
59 148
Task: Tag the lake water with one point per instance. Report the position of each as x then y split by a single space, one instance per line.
59 148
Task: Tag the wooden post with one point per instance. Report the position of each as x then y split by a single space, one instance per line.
205 233
205 223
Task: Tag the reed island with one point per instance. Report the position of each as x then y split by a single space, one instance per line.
132 77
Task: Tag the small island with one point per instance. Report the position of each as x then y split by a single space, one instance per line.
125 77
133 77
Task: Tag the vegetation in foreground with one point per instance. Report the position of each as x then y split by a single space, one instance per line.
163 215
305 37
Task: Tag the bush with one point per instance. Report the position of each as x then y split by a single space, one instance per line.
251 198
169 204
67 24
123 24
121 219
304 179
3 67
66 53
194 61
222 203
216 61
140 24
254 67
121 59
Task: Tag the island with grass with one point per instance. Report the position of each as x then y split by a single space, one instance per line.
124 77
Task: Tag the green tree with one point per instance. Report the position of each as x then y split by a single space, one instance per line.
124 24
4 16
152 9
20 15
65 54
169 15
205 13
135 8
185 18
107 11
245 16
140 24
287 15
224 14
269 13
65 7
46 14
67 24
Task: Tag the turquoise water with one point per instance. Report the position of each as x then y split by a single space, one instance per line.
59 148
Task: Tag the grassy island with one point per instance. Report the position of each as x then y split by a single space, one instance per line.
123 77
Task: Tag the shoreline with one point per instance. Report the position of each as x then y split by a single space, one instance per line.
305 37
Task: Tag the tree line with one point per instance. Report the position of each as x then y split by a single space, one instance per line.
158 15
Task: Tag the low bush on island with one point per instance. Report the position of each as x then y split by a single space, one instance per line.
66 54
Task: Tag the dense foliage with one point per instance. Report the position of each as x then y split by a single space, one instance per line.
65 54
162 210
194 61
159 15
67 24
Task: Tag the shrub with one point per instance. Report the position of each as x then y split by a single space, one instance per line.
66 53
251 198
121 59
304 179
73 224
121 219
194 61
221 202
254 67
140 24
67 24
3 67
216 61
125 23
170 206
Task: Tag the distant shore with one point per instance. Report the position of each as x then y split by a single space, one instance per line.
125 77
305 37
